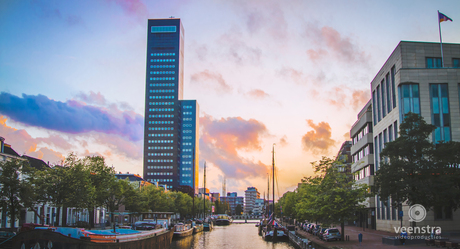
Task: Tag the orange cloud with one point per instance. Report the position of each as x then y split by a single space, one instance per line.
319 139
222 139
258 94
360 98
24 144
214 80
283 141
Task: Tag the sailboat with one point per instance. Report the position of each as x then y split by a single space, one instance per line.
207 223
273 231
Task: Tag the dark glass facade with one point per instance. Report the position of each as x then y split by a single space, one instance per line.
163 133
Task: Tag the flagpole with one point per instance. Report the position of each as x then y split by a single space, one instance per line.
440 39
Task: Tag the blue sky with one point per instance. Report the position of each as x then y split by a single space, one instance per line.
294 73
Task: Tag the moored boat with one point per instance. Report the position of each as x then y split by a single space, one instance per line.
223 220
281 234
64 237
198 228
182 230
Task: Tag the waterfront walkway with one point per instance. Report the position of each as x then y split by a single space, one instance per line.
371 239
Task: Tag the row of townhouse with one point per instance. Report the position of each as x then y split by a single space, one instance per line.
413 79
59 216
52 215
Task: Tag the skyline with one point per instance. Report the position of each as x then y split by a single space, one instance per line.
295 74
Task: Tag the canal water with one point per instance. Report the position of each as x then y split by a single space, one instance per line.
244 235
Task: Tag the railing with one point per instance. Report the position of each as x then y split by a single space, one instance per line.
4 243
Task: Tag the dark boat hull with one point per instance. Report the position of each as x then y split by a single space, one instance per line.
207 226
59 241
222 222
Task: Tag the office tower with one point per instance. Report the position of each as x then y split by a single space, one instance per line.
171 124
413 79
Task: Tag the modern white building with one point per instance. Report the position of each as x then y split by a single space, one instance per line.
362 156
413 79
250 196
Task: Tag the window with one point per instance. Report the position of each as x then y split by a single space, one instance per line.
433 62
163 29
387 80
378 104
456 62
395 126
390 133
440 115
393 88
409 99
376 153
374 112
384 111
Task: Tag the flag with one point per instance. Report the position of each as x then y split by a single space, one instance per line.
443 18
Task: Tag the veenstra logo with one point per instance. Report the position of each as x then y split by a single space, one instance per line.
417 213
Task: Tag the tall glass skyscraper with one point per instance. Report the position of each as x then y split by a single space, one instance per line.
171 124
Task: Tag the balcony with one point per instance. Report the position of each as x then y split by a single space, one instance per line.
366 139
358 125
366 160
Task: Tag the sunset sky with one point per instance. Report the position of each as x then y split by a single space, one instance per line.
294 72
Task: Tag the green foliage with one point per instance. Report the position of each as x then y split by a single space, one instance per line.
286 204
238 209
12 187
415 170
331 196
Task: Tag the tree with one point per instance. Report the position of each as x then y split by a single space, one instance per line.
238 209
287 205
12 186
101 177
415 170
330 196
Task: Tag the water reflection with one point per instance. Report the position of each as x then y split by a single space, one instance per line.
232 236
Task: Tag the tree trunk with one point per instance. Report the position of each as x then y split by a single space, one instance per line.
342 226
42 214
64 216
91 217
58 214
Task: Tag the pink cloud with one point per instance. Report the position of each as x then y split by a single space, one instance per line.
48 155
222 139
211 80
319 139
133 7
92 98
360 98
24 144
336 45
258 94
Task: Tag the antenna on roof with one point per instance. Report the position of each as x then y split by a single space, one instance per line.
171 17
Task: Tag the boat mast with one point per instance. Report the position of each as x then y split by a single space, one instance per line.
268 195
204 196
273 182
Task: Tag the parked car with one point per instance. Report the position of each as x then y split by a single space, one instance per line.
331 234
316 229
320 232
312 228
